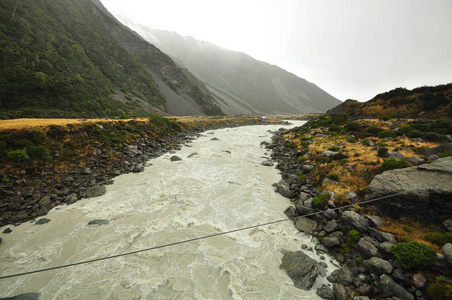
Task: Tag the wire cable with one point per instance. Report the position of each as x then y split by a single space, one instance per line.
192 240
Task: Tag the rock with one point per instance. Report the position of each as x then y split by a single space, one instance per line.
138 168
7 230
341 292
329 153
99 222
327 180
368 143
303 196
95 191
325 292
419 281
306 169
303 210
331 226
416 161
71 198
330 214
352 196
267 163
435 150
375 221
447 252
365 289
42 221
290 212
390 288
214 139
396 155
427 191
355 220
193 154
385 249
283 188
330 241
1 240
367 248
448 224
345 275
302 269
305 225
175 158
26 296
432 157
378 266
382 236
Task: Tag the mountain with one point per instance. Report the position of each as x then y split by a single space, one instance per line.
240 83
431 102
73 58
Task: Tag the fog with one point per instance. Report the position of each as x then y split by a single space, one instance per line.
350 48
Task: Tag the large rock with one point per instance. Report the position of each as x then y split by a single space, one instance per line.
305 225
301 268
435 151
356 220
367 248
447 252
378 266
341 292
427 191
95 191
390 288
283 188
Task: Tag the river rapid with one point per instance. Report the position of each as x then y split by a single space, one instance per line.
221 188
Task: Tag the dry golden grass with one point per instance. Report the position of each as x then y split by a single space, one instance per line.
32 123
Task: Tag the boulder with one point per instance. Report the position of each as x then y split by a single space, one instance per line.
95 191
302 269
390 288
357 221
345 275
447 252
330 241
367 248
352 196
426 191
306 169
419 281
448 224
396 155
71 198
341 292
305 225
375 221
267 163
138 168
42 221
331 226
378 266
416 161
283 188
329 153
382 236
435 150
175 158
325 292
99 222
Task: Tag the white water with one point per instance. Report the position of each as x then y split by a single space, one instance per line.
208 193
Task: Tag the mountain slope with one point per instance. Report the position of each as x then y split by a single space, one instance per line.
245 84
65 57
433 102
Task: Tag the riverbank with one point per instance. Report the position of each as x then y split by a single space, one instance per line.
324 167
46 163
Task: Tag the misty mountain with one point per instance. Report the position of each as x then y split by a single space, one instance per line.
239 83
73 58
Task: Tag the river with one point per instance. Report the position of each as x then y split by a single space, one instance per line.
221 188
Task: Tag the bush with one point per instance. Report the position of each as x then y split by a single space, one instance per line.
332 176
440 291
387 134
373 130
320 201
334 148
413 254
352 126
17 155
392 164
445 153
382 152
39 152
414 134
439 238
354 235
334 128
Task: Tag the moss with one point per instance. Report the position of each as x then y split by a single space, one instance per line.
320 201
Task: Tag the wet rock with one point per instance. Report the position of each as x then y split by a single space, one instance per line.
42 221
355 220
7 230
214 139
302 269
99 222
175 158
193 154
283 188
378 266
267 163
290 212
325 292
305 225
71 198
138 168
26 296
95 191
390 288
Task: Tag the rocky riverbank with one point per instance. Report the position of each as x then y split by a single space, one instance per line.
368 267
26 196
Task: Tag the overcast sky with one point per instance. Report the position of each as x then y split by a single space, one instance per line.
350 48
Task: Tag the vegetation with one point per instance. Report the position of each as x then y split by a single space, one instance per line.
439 238
392 164
413 254
320 201
354 235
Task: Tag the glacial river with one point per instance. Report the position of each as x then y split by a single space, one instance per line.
221 188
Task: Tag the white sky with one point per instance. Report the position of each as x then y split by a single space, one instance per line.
350 48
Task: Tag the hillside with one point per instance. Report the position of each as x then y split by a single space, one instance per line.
422 102
68 58
240 83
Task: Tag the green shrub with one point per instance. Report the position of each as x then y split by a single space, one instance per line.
439 238
351 140
352 126
413 254
17 155
440 291
382 152
320 201
414 134
385 118
290 145
392 164
387 134
354 235
373 130
332 176
334 148
445 153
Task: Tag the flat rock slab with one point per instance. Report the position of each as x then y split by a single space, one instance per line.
427 191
